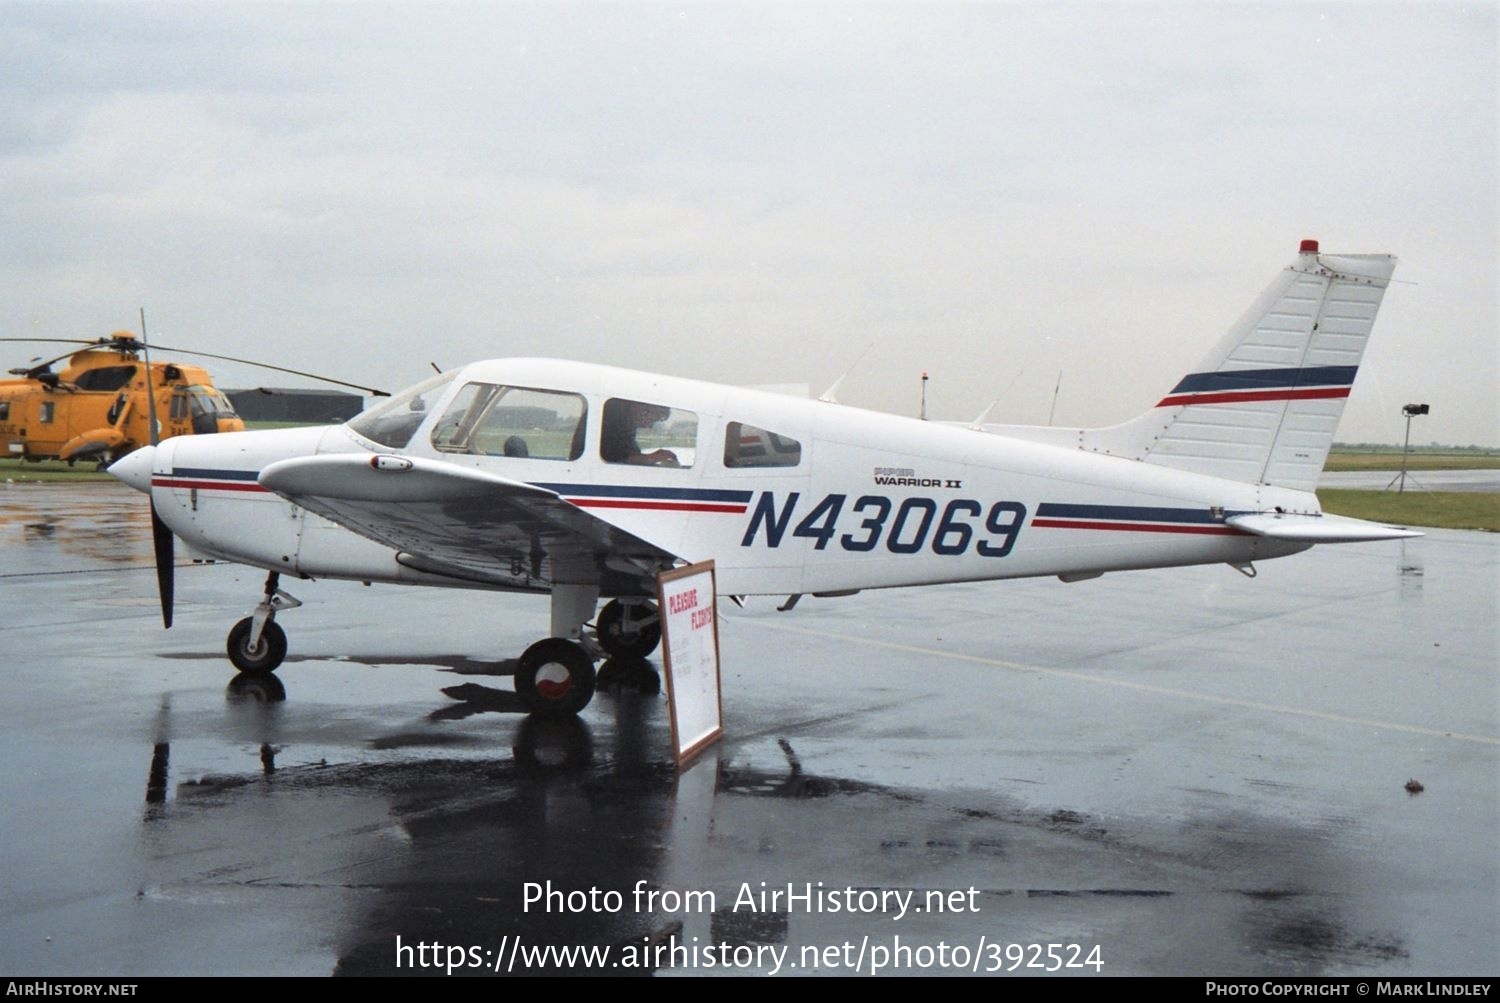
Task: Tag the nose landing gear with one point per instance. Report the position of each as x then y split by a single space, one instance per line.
256 644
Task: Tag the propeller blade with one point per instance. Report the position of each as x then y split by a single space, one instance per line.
161 543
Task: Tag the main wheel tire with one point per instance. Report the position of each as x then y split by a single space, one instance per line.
265 656
629 631
555 678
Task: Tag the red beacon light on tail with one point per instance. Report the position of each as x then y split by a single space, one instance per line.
1309 246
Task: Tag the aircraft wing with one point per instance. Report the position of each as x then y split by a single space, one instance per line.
1301 528
450 520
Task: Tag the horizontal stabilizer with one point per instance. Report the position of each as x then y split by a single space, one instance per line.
1301 528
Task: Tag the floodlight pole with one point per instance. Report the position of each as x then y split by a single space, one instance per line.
1405 450
1399 481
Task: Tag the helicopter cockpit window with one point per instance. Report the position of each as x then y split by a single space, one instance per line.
208 400
179 409
513 421
206 405
105 378
393 422
748 446
647 435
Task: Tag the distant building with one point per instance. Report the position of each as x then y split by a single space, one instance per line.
313 407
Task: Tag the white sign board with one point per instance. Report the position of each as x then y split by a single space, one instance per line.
690 649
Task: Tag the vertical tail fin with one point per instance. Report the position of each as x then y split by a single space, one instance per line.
1263 405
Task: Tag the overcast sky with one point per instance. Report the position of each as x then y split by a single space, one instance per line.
758 193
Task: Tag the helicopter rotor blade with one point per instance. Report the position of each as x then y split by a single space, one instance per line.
280 369
162 547
128 345
31 369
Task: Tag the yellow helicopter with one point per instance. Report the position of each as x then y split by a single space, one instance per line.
100 406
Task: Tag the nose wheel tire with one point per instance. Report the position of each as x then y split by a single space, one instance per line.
262 658
629 631
555 678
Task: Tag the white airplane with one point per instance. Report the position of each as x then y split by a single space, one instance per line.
586 481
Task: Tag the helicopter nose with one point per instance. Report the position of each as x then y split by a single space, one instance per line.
134 468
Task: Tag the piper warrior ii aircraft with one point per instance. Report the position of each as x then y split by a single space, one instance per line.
585 482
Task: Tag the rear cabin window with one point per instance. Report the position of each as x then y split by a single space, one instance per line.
749 446
519 422
642 434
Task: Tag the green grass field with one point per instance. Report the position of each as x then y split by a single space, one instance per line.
1432 460
1437 509
50 470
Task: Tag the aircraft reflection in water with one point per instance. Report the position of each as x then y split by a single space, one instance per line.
477 834
438 850
585 482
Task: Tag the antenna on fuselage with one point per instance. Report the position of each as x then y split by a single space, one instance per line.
829 396
1054 397
979 421
923 413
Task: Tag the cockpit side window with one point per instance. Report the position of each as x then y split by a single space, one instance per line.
518 422
749 446
393 422
647 435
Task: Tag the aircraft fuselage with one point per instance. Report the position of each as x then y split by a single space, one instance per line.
858 499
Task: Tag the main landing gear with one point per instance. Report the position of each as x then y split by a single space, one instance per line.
554 677
629 628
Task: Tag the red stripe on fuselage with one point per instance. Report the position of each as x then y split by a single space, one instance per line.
1137 527
1235 396
177 482
658 506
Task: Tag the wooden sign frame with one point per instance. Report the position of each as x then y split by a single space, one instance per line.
698 722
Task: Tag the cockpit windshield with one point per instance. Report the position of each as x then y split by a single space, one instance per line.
208 400
392 423
518 422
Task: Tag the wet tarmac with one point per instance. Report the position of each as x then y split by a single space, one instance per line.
1199 773
1416 480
